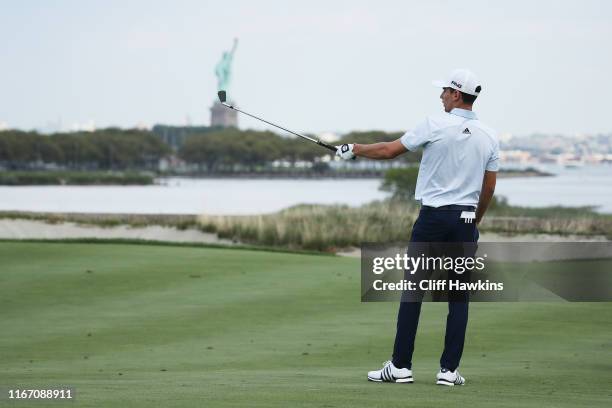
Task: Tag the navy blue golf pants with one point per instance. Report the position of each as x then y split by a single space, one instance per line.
436 225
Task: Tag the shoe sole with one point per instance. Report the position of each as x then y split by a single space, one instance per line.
409 380
447 383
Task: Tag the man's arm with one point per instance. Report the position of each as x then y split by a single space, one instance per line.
488 188
380 151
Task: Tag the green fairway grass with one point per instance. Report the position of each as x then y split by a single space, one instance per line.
163 326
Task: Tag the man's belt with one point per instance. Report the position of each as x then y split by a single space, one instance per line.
449 208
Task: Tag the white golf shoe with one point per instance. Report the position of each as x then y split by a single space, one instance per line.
389 373
449 378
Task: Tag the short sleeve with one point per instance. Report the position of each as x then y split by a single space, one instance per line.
493 163
417 137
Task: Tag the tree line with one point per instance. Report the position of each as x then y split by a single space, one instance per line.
106 149
230 148
120 149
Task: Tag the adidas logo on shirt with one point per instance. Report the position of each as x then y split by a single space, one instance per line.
466 131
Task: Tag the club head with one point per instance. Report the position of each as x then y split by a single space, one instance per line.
222 96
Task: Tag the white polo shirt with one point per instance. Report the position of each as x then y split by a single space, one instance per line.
457 149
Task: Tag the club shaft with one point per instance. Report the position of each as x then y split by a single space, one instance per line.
320 143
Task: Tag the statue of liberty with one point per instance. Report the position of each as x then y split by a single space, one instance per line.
223 69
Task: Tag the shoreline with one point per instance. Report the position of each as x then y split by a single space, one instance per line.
141 178
310 175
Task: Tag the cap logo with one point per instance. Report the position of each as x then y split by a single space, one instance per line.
456 84
466 131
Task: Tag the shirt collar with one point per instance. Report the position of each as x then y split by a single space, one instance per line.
464 113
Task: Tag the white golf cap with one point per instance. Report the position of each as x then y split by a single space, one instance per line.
462 80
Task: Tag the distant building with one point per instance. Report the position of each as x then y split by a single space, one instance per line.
514 156
220 116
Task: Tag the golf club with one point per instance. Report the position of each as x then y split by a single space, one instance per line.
223 98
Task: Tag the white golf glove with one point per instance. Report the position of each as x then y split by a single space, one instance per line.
345 151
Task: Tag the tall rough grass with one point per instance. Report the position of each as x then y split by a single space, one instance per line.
561 225
318 227
325 228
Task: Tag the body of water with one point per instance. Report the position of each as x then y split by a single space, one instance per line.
571 187
191 196
583 186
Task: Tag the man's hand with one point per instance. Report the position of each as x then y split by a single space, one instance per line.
345 151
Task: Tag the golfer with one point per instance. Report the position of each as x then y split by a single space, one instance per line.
455 184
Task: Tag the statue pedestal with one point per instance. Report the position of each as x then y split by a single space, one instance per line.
222 116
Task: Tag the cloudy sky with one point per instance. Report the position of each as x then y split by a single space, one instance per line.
312 65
